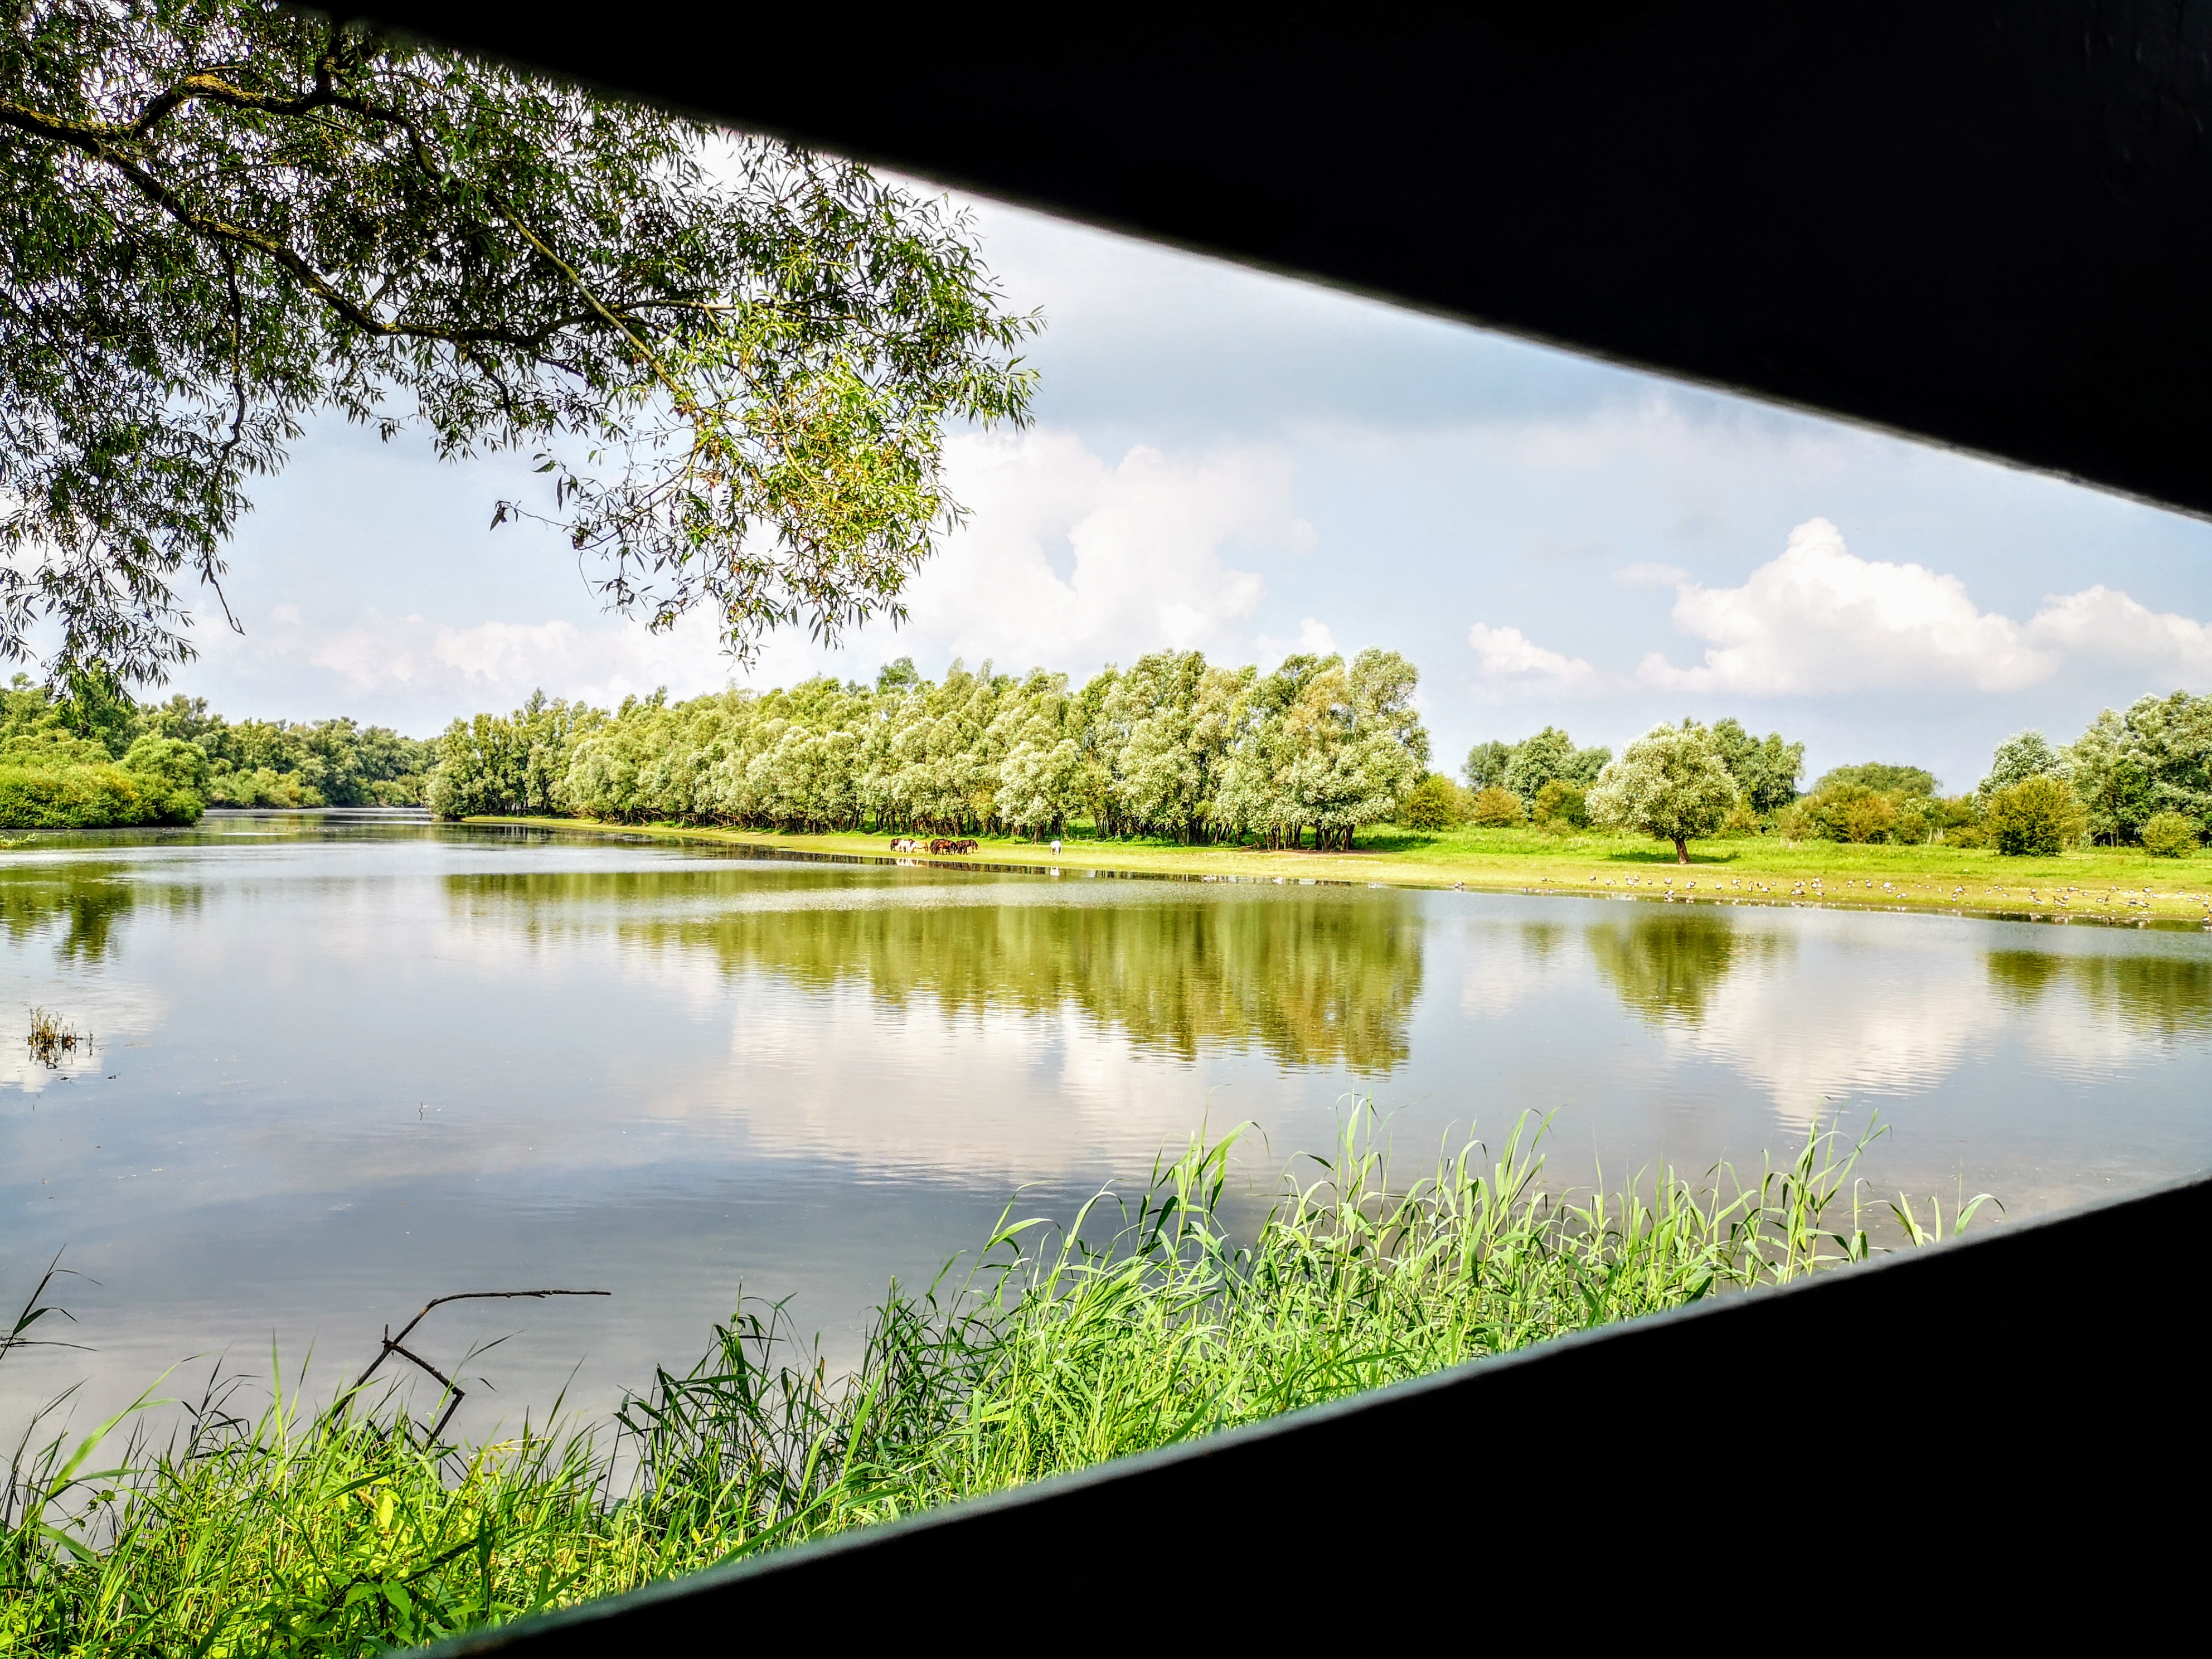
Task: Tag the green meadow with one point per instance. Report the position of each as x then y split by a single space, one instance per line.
2114 884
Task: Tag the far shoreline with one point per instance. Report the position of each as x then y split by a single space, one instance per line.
2106 883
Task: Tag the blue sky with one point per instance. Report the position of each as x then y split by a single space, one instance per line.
1252 466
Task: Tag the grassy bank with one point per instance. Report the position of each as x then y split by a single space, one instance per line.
340 1531
2122 884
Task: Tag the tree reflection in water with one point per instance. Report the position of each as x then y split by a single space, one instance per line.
1666 965
2156 995
1309 977
83 902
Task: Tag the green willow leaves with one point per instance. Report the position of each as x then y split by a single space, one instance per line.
1172 747
733 361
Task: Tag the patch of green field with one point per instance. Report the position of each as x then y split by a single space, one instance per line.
2120 884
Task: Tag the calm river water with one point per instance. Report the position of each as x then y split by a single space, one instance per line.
340 1069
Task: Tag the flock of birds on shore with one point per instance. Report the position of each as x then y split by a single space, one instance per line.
1815 887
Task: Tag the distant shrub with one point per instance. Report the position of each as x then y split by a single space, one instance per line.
72 798
1965 835
173 777
2039 815
2169 835
1896 782
1741 821
1850 812
1498 809
1918 818
1562 805
1432 804
167 763
262 787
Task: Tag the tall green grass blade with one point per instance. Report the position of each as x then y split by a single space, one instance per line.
1147 1321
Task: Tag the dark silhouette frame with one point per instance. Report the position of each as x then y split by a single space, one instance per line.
1986 225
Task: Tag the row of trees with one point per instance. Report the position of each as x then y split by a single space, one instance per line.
1546 778
332 763
2127 769
88 757
2140 778
1689 782
1765 770
2143 777
1172 747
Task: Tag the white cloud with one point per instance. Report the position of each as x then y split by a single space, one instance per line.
1314 638
1820 619
494 665
1067 560
1512 664
2105 625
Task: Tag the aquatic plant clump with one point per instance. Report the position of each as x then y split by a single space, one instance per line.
349 1531
52 1039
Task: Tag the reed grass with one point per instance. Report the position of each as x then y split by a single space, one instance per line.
1140 1324
52 1039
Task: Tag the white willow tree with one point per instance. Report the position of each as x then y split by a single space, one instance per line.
1174 747
224 215
1670 783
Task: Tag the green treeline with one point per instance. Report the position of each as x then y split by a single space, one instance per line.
1172 747
333 762
1545 779
86 760
89 758
2142 778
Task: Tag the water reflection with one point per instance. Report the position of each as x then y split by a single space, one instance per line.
340 1071
1666 965
1308 979
2154 995
83 902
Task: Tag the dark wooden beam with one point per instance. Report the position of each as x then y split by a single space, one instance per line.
1986 224
1943 1442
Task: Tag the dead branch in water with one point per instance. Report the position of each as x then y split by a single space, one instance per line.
394 1344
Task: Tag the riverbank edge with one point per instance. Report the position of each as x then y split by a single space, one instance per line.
2182 910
